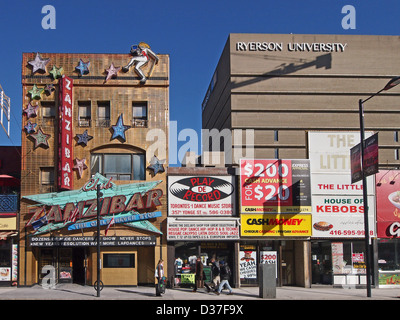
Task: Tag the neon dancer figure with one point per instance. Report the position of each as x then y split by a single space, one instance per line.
141 56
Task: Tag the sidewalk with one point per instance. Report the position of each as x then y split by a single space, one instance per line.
78 292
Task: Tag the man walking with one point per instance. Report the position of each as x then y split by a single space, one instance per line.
225 274
216 279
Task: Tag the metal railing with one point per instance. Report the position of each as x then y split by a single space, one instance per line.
8 203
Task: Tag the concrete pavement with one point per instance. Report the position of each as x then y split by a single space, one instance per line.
78 292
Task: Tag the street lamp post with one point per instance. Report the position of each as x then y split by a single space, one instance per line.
98 288
393 82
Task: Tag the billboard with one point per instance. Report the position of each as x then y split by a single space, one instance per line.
337 204
201 195
275 186
388 203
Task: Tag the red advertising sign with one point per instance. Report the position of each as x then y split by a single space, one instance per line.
275 186
65 140
388 203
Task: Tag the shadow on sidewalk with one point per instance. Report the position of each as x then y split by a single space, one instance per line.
146 294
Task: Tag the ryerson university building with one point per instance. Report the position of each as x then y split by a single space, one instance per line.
300 96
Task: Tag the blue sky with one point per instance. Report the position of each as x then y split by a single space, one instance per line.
192 32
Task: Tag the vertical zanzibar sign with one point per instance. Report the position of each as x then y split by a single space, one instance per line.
65 164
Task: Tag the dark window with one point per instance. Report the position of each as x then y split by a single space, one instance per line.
85 113
139 114
119 260
103 114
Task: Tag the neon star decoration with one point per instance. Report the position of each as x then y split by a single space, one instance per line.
84 138
112 72
30 127
83 67
36 93
80 166
156 166
49 88
38 63
31 111
56 72
41 138
120 128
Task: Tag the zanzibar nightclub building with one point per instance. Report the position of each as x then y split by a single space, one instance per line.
85 121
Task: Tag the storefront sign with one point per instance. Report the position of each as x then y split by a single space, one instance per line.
201 196
275 186
62 209
339 216
65 149
197 229
8 223
83 241
272 225
388 203
248 264
338 209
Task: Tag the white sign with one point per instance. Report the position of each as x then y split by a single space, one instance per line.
201 196
248 264
197 229
337 205
291 46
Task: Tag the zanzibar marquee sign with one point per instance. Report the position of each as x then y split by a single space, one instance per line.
77 209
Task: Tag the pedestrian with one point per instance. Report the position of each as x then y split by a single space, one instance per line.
225 274
159 274
200 276
216 279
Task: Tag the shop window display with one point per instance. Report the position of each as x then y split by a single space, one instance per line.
186 254
5 261
389 263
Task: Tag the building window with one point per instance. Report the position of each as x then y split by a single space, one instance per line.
85 113
119 166
47 180
103 114
119 260
48 113
276 153
396 136
396 154
139 114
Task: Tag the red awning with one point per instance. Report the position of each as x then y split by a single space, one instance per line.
8 181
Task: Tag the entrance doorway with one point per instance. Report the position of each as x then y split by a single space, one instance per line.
79 265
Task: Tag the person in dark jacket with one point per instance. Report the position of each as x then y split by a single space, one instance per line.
225 274
200 276
216 279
